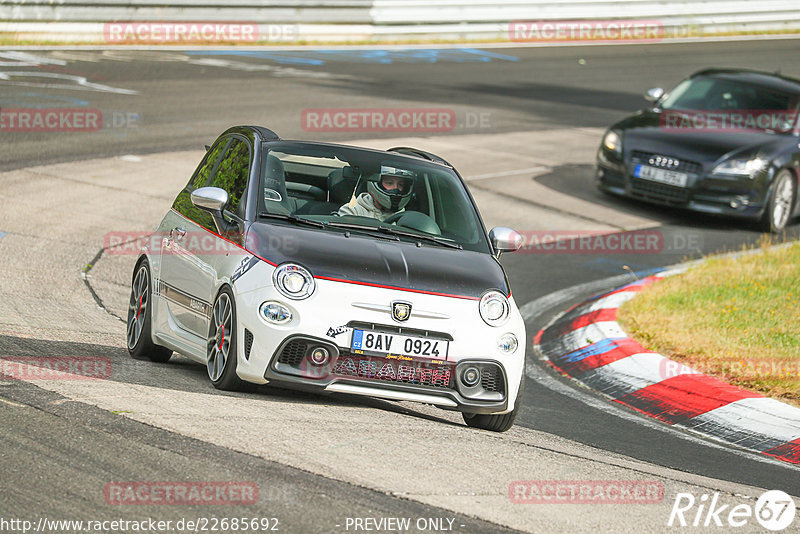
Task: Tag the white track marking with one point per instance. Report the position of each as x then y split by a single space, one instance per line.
540 168
635 372
588 335
77 83
25 59
756 415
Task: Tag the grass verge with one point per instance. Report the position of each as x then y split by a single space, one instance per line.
734 318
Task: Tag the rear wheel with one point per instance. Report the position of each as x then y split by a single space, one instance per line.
221 345
140 317
496 423
779 207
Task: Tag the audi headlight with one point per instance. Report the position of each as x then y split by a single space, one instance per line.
613 142
747 168
494 308
294 281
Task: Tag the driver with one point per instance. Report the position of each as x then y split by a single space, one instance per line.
386 195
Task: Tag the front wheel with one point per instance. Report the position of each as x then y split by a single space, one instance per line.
140 318
779 207
496 423
221 345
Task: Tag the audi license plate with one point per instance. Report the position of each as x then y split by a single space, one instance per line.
663 176
373 343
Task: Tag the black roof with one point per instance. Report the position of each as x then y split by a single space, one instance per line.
765 79
265 135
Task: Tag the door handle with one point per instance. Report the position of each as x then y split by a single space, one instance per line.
177 233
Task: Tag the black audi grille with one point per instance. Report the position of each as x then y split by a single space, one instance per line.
691 167
658 192
293 353
492 379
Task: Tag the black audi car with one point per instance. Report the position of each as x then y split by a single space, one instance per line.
722 142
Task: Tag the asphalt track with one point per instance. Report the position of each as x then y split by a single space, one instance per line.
183 101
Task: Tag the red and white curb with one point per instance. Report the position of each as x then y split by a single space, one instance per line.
587 344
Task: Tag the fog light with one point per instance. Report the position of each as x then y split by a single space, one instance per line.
275 313
471 377
740 202
507 343
319 356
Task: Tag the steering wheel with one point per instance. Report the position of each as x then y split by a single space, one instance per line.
416 221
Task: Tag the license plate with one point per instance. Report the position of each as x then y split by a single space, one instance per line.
369 342
663 176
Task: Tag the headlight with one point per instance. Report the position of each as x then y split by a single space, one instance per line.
742 167
494 308
613 142
275 312
294 281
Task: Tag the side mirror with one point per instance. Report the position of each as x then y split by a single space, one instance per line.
654 95
505 239
213 200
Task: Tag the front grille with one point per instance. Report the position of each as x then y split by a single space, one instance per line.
644 158
248 343
293 352
657 192
492 379
414 372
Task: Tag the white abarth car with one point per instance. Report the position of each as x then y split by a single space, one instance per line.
334 269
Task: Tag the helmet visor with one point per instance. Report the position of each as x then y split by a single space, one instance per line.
395 181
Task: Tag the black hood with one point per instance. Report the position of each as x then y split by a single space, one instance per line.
644 132
364 259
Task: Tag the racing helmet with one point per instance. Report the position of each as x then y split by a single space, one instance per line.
392 198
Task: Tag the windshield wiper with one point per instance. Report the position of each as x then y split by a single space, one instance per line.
291 218
429 238
372 230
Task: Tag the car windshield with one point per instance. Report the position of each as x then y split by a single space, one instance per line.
302 182
755 106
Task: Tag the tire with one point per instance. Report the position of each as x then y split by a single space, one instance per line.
138 331
221 343
496 423
779 208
